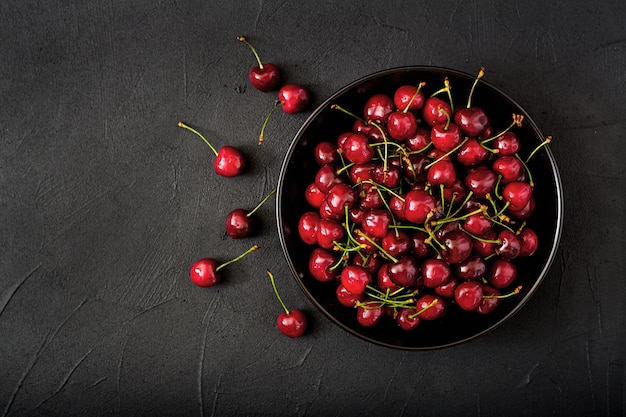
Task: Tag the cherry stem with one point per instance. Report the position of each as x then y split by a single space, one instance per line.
377 246
276 291
252 249
517 121
542 144
242 39
349 113
380 129
530 175
467 198
419 87
512 293
480 75
267 118
432 303
261 203
377 185
191 129
454 219
446 82
450 152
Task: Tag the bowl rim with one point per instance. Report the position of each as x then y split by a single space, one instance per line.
444 71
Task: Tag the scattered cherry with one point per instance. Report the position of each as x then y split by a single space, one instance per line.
291 323
263 77
229 161
206 271
240 223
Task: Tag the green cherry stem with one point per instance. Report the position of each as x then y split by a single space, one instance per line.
542 144
454 219
261 203
267 118
512 293
377 246
419 87
517 121
253 248
446 82
346 111
243 39
480 75
191 129
450 152
432 303
530 175
276 291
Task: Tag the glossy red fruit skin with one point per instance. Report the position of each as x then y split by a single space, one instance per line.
407 320
471 153
473 267
326 177
525 212
383 280
477 224
403 96
229 162
346 298
417 205
378 108
484 248
458 247
362 172
507 144
421 249
488 305
320 262
313 195
355 278
340 196
434 312
442 173
357 149
481 180
203 273
447 290
435 111
292 324
371 264
238 224
369 313
445 136
509 167
326 153
396 243
501 273
468 295
472 121
420 140
376 223
404 272
307 227
518 194
530 242
435 272
264 79
510 245
294 98
328 231
401 126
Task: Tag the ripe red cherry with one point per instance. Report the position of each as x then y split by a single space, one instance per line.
436 111
371 264
501 273
376 223
530 242
509 167
396 243
489 302
481 180
378 108
507 144
404 272
369 198
263 77
458 246
468 295
472 121
401 125
293 98
473 267
313 195
477 224
355 278
446 290
291 323
329 231
486 244
320 263
442 173
362 172
445 136
471 153
420 140
356 148
417 205
435 272
326 177
369 312
205 272
510 245
346 298
229 161
409 97
517 193
340 196
307 227
326 153
408 319
433 306
240 223
524 212
421 249
383 280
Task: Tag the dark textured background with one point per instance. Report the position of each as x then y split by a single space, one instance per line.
105 203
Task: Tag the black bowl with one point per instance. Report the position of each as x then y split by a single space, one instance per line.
325 124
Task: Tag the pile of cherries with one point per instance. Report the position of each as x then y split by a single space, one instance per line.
419 208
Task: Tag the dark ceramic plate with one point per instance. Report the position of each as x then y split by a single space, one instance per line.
299 168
